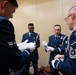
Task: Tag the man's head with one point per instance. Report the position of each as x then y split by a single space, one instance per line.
57 29
31 27
71 18
7 8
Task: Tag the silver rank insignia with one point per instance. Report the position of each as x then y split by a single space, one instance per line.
61 37
72 53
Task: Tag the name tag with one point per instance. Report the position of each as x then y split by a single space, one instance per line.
11 43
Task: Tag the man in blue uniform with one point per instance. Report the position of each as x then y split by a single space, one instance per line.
31 36
60 50
67 66
54 46
10 55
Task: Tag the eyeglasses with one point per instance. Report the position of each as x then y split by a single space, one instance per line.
67 17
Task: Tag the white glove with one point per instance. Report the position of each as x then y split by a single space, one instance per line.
49 49
23 46
57 57
44 43
31 46
53 63
60 57
23 43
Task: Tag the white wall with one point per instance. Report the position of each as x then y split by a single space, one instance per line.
44 14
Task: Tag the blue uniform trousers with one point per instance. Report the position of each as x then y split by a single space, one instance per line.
25 69
22 71
35 66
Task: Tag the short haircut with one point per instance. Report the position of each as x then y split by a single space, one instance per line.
72 7
57 25
13 2
30 24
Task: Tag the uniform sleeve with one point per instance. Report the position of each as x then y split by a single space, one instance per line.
17 58
49 41
72 52
10 55
23 38
37 41
68 66
64 67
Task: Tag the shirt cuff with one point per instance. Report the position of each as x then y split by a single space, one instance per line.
27 51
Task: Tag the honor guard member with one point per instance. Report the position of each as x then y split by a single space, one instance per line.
52 49
62 48
31 36
67 66
55 41
10 54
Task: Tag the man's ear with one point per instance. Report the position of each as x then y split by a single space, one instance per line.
4 4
